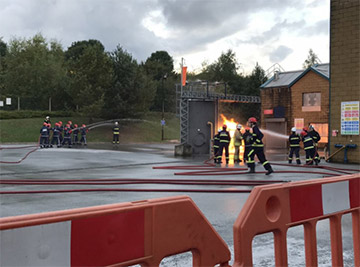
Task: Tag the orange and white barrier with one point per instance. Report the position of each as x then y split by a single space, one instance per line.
275 208
123 234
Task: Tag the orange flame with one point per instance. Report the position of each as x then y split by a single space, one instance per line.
231 128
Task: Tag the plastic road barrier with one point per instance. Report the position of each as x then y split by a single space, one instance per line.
142 232
275 208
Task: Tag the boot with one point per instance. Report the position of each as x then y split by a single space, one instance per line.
298 162
269 171
252 170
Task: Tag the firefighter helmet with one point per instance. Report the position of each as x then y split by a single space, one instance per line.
252 120
303 133
83 125
224 126
70 122
239 126
116 123
293 129
60 122
75 125
311 127
305 129
47 117
247 128
219 130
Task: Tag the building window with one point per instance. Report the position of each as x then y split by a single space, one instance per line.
323 130
311 102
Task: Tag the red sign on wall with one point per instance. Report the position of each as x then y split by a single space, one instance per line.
268 111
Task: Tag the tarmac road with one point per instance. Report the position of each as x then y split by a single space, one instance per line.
104 161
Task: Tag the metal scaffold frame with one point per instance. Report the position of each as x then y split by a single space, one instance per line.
203 90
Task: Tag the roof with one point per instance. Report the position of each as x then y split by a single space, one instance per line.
289 78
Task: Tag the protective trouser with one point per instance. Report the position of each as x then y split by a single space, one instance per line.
259 152
116 138
56 139
44 141
310 153
246 152
224 145
316 154
236 154
83 139
67 140
295 150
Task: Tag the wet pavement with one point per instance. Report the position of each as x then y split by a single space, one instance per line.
105 161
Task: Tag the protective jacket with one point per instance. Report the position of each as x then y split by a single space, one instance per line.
294 140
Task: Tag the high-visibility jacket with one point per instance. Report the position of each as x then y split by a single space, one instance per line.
224 137
308 142
294 140
237 138
315 136
217 140
116 130
247 136
257 137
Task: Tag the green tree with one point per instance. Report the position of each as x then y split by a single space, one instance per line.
90 74
132 91
311 60
34 71
160 67
3 51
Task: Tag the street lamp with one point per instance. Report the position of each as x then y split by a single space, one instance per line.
163 106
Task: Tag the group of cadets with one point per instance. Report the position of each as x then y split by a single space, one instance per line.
253 145
61 135
310 138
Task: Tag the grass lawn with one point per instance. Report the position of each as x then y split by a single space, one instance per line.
147 129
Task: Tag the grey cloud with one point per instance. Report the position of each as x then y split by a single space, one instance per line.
280 53
274 33
320 27
197 23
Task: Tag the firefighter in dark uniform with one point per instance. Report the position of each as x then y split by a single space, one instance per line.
116 132
294 140
67 136
217 158
247 136
56 135
316 138
257 148
44 135
83 131
224 144
76 134
308 147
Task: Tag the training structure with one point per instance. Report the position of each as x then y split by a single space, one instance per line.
198 109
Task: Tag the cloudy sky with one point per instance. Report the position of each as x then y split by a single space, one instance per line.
263 31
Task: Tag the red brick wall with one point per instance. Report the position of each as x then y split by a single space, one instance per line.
311 82
344 70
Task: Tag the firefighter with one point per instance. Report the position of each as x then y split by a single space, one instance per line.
237 143
316 138
308 147
67 136
47 119
61 128
257 148
294 140
56 135
44 135
247 137
76 134
217 158
83 131
116 132
224 144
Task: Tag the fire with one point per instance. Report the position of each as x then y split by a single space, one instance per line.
231 128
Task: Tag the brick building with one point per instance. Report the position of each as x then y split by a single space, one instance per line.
296 98
345 78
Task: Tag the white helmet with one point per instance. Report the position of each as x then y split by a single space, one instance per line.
219 130
239 126
116 123
311 127
293 129
47 117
